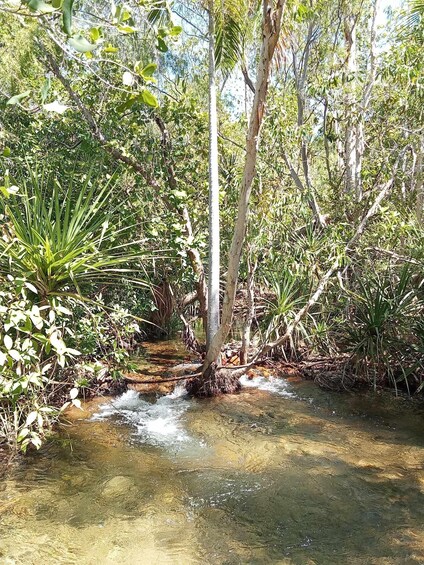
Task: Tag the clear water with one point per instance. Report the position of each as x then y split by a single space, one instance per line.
280 473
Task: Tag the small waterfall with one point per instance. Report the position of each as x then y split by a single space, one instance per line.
270 384
158 423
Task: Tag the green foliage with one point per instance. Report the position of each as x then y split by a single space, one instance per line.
59 240
379 331
32 346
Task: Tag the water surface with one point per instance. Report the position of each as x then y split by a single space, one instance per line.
280 473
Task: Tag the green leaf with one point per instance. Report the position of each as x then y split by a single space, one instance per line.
95 34
18 97
127 104
110 49
32 416
31 287
22 434
81 44
162 46
8 342
175 31
127 29
67 16
148 98
45 90
40 6
6 152
148 70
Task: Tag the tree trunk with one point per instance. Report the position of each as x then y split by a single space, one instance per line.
211 382
301 76
214 241
350 107
419 184
366 99
250 314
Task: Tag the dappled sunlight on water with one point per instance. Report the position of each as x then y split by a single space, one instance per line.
280 473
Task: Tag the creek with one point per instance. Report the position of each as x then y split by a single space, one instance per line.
281 473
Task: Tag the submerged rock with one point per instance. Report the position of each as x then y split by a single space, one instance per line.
117 486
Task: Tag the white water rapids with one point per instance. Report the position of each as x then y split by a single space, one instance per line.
161 423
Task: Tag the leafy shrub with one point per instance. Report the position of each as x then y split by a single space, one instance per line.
32 347
57 245
379 333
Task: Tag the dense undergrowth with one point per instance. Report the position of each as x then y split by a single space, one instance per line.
336 185
62 336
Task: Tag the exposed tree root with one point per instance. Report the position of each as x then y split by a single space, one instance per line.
216 381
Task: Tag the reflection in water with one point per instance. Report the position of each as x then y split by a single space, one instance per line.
259 477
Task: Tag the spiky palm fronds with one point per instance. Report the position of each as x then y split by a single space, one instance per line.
60 239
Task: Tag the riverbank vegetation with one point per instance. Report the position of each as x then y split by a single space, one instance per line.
256 166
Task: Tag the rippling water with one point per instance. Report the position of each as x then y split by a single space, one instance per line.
280 473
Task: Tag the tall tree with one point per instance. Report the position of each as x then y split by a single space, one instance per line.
214 381
214 239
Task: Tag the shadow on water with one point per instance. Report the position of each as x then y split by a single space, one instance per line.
260 477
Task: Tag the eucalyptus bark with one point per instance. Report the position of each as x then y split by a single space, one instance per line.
271 26
214 238
350 107
301 76
366 99
250 313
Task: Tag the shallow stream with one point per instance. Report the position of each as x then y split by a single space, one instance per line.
281 473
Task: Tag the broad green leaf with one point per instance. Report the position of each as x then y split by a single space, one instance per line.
127 29
23 434
8 342
162 46
31 287
6 152
148 70
95 34
149 98
32 416
81 44
41 6
15 355
67 16
18 97
77 403
110 49
45 89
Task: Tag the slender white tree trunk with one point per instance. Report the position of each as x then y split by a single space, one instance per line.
350 106
214 240
272 16
250 313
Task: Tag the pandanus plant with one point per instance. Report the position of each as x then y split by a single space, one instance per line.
59 240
